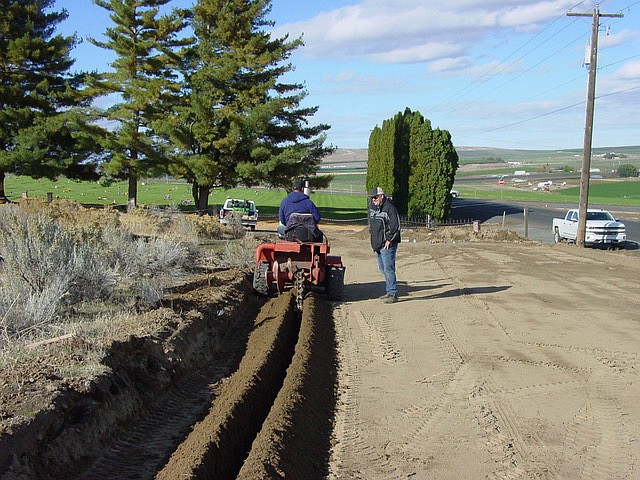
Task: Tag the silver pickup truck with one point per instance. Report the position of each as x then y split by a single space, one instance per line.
602 228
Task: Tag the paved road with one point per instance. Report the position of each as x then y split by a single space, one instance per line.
540 216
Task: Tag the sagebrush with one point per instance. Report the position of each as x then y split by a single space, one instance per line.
51 266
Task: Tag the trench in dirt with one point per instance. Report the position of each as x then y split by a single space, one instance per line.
252 397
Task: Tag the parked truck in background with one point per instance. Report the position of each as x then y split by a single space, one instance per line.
239 210
602 228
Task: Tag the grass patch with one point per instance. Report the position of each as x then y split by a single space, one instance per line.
607 193
333 205
621 191
338 206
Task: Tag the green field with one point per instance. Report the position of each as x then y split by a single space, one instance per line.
603 192
343 200
338 206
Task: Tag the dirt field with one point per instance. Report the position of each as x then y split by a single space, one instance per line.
503 359
500 361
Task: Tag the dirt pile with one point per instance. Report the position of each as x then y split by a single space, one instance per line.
265 424
57 426
453 234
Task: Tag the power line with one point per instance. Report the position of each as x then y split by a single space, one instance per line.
480 80
570 106
619 91
534 118
559 86
534 66
628 7
558 110
620 61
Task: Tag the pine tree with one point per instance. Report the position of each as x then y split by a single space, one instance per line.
380 164
237 123
43 131
434 162
413 162
389 167
148 50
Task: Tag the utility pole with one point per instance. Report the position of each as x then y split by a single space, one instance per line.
588 129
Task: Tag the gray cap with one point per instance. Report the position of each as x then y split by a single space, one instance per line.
297 185
376 191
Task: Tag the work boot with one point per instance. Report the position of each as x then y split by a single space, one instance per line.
390 299
383 296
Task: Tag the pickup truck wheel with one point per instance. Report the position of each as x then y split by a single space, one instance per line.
556 236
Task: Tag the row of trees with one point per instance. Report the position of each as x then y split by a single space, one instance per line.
627 170
209 107
415 162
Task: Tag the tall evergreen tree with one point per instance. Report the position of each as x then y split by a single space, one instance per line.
414 162
401 159
389 165
238 123
144 81
433 166
380 163
42 132
375 168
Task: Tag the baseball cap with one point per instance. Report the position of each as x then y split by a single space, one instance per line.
297 185
376 191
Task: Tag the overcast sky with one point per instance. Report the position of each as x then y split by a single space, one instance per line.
495 73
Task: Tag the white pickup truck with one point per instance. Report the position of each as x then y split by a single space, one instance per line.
601 228
241 210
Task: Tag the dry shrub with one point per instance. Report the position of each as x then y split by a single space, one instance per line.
170 222
206 226
53 265
61 257
239 253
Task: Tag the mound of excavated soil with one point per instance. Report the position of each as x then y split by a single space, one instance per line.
52 427
217 445
263 424
452 234
295 438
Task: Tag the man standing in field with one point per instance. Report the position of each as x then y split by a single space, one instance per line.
384 227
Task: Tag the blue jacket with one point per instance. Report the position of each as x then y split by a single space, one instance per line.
297 202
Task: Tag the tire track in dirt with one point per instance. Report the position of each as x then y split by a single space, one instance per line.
142 451
375 328
598 431
144 448
600 437
353 447
500 427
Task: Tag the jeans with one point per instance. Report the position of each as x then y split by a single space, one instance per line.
387 266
